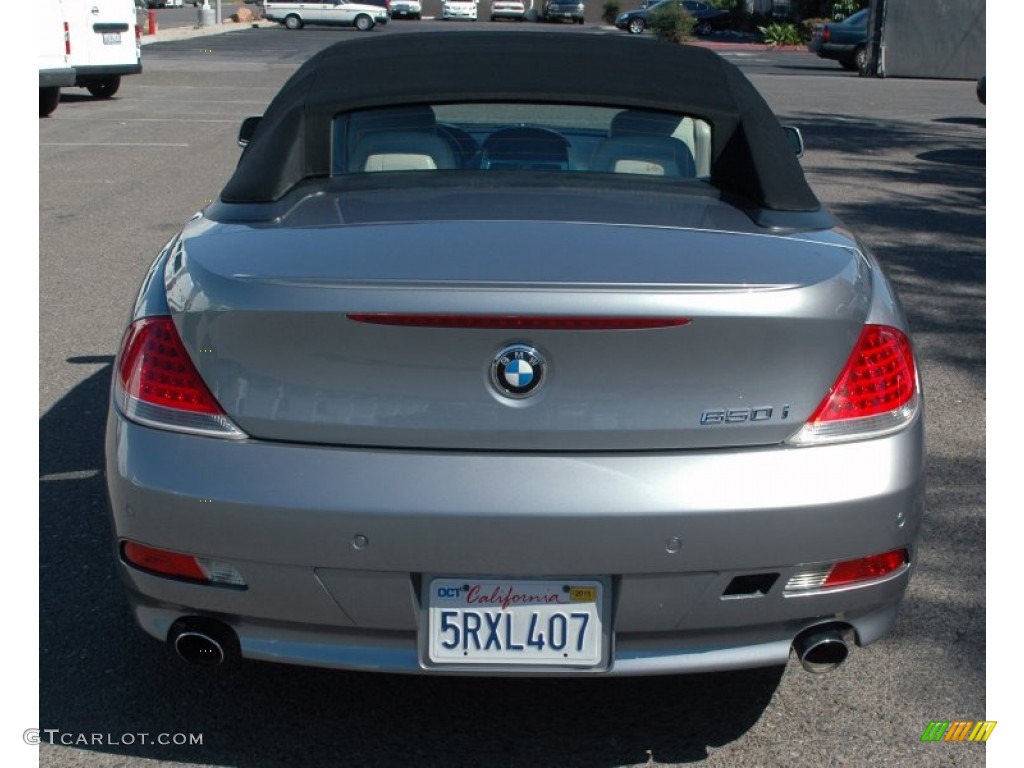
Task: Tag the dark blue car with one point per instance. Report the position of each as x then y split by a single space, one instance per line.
845 41
708 17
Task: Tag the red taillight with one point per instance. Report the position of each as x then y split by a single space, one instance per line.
67 39
878 378
163 562
138 34
518 322
826 34
156 369
876 393
866 568
156 384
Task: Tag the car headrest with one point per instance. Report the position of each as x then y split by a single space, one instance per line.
648 155
401 151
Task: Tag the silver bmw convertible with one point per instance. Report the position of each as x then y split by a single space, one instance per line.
483 371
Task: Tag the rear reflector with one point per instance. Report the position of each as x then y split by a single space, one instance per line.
519 322
158 385
175 565
875 394
866 568
847 572
163 562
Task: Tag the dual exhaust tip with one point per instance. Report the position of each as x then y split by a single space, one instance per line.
204 642
821 649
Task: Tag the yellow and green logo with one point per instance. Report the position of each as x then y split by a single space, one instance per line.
958 730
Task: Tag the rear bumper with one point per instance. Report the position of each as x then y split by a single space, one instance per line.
107 70
681 652
669 531
56 78
834 51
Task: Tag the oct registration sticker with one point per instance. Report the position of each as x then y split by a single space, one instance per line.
511 622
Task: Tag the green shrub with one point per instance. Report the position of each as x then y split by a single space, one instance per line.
670 23
610 11
781 34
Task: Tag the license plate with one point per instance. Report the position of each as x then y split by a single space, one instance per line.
111 38
511 622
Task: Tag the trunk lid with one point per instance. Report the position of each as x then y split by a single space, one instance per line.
265 314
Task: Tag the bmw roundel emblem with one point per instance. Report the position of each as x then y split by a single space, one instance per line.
518 370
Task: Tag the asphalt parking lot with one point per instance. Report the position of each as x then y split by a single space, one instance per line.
901 161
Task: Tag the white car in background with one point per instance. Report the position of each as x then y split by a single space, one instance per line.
342 13
407 9
459 9
508 9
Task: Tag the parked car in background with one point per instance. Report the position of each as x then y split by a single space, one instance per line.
480 373
508 9
844 41
563 10
406 9
459 9
54 44
340 13
708 18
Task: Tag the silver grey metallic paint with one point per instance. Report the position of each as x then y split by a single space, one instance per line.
374 454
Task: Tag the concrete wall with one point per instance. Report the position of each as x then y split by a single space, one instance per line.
932 38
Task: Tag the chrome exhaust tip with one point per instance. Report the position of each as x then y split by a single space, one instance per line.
203 642
820 649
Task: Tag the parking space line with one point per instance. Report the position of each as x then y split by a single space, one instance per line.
93 119
107 144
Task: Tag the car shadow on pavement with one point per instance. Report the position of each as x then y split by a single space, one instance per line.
105 686
918 199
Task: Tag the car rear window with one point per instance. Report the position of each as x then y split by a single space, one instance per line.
521 137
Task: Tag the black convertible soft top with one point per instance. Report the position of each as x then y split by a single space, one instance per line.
751 158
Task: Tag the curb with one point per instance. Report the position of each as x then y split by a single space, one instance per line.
186 33
758 47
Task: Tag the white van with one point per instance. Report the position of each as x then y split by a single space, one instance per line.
106 43
54 71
